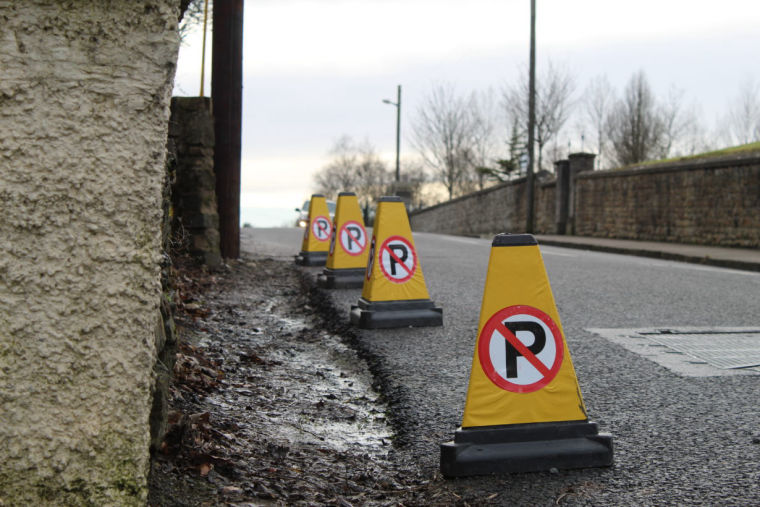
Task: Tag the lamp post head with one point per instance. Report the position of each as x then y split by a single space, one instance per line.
397 105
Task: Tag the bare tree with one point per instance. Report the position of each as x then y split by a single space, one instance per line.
683 133
693 137
598 99
554 90
445 132
415 177
340 173
355 168
372 176
636 126
191 15
676 118
742 123
507 168
485 141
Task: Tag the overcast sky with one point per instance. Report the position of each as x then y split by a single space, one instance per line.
315 70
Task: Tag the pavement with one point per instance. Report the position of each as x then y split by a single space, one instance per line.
736 258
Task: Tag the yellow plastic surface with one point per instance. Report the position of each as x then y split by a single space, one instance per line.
517 278
319 218
349 245
387 277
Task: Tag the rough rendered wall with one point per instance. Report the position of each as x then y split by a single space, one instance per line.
713 202
84 96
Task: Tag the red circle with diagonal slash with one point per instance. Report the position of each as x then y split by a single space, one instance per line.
315 227
345 232
409 270
496 324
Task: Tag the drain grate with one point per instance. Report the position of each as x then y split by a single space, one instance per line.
694 351
725 350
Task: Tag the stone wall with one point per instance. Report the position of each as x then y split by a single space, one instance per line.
712 201
496 209
84 104
196 219
545 208
472 214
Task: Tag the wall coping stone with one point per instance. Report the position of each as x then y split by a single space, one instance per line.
677 166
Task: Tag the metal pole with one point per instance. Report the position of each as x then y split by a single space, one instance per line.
203 54
398 132
531 119
227 101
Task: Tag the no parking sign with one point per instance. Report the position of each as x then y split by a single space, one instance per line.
522 371
320 228
398 260
520 349
524 411
353 238
347 255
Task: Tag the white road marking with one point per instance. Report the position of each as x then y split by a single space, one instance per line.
695 267
469 241
554 252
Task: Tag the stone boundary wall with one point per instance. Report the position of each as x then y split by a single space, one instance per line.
710 202
196 216
707 201
494 209
545 208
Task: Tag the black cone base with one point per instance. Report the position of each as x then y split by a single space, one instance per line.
305 258
525 448
388 314
347 278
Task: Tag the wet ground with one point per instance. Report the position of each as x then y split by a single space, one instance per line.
271 405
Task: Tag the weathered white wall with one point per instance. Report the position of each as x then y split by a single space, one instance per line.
84 95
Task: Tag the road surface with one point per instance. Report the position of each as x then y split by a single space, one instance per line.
678 438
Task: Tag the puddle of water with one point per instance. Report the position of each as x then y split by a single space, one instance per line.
306 386
338 378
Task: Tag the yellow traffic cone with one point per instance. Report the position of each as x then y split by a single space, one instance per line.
394 292
349 246
524 410
316 236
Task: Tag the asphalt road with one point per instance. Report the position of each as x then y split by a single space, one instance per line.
678 440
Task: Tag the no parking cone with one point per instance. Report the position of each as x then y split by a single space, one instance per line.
316 236
349 245
524 410
394 292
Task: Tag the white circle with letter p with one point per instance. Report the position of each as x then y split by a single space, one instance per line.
320 228
398 260
353 238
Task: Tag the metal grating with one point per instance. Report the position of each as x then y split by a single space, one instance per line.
693 351
722 349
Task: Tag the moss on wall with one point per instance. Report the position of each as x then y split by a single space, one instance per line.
83 123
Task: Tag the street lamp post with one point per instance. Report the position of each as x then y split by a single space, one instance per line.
397 104
531 120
